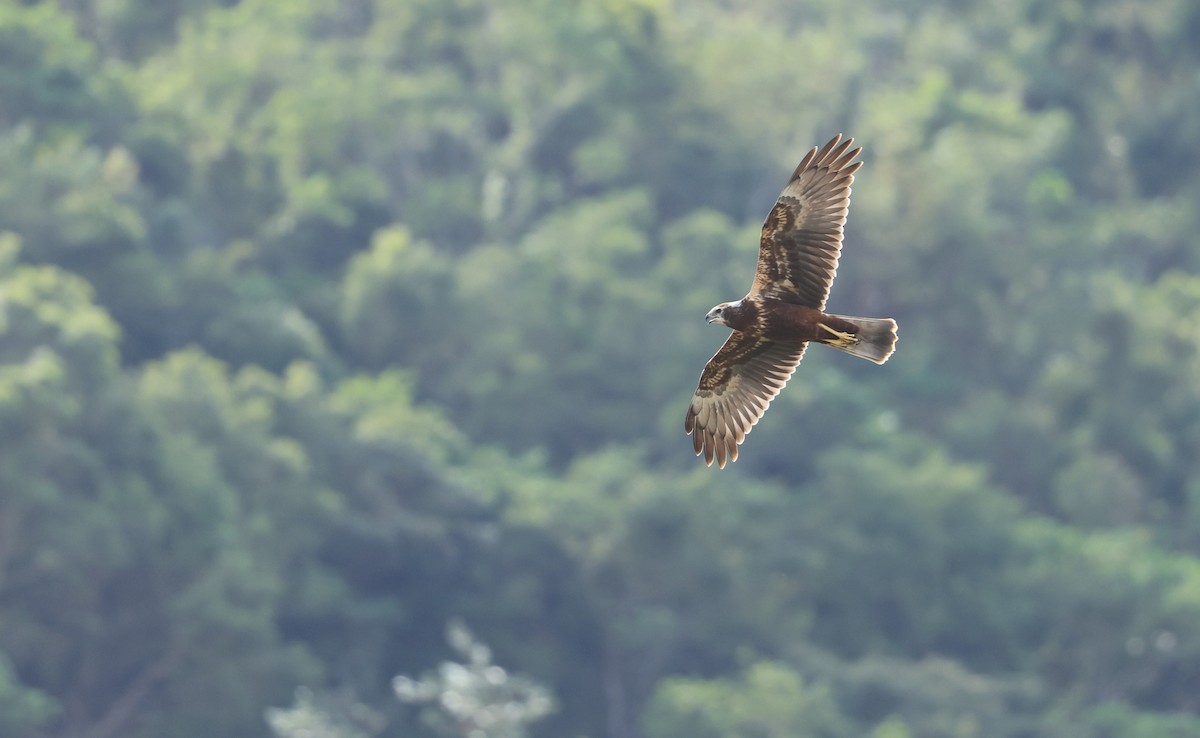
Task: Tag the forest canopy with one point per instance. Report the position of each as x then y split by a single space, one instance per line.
345 347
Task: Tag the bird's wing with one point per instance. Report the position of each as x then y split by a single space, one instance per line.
802 236
738 383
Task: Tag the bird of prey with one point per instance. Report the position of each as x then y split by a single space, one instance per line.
784 310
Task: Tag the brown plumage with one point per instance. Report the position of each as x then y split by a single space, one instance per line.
784 310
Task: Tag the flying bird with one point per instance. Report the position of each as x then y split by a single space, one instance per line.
784 310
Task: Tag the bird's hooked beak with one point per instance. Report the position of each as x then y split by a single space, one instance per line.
714 315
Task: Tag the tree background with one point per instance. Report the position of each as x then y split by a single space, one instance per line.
328 325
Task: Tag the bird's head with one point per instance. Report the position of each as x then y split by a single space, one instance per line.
722 312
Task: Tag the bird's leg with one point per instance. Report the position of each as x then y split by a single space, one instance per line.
839 340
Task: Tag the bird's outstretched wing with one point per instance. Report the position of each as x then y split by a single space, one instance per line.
802 236
738 383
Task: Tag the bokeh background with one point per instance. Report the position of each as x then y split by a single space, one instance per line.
345 347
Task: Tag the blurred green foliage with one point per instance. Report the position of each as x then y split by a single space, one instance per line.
327 323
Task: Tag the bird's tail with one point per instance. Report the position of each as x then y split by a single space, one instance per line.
875 339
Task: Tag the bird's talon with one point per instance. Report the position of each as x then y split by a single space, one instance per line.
840 339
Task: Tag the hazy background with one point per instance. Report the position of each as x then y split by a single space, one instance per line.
329 329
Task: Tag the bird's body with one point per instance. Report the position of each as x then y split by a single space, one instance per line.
784 310
780 320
